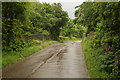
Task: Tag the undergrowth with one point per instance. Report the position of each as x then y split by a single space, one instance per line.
10 57
93 61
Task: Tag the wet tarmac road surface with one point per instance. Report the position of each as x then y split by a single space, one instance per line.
62 60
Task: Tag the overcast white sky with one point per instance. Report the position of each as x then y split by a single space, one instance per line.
68 5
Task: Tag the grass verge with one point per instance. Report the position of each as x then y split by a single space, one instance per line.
14 56
92 62
69 40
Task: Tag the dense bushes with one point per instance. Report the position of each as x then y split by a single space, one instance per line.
107 37
93 59
11 25
106 18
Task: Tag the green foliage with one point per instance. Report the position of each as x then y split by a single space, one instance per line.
93 62
64 38
48 17
84 15
30 18
107 37
31 47
56 19
105 22
11 25
72 30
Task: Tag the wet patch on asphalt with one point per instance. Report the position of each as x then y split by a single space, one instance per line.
62 60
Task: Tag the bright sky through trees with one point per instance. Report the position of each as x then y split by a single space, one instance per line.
68 5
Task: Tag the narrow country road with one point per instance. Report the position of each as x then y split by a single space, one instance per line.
62 60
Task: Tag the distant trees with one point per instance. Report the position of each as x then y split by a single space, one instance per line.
72 30
49 17
56 18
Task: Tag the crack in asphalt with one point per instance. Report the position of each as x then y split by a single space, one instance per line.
56 52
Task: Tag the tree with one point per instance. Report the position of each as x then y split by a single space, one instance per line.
86 15
30 18
72 30
11 30
55 18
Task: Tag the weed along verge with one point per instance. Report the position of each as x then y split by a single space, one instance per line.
15 56
93 62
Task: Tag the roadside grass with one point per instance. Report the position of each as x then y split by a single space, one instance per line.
92 62
14 56
69 40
